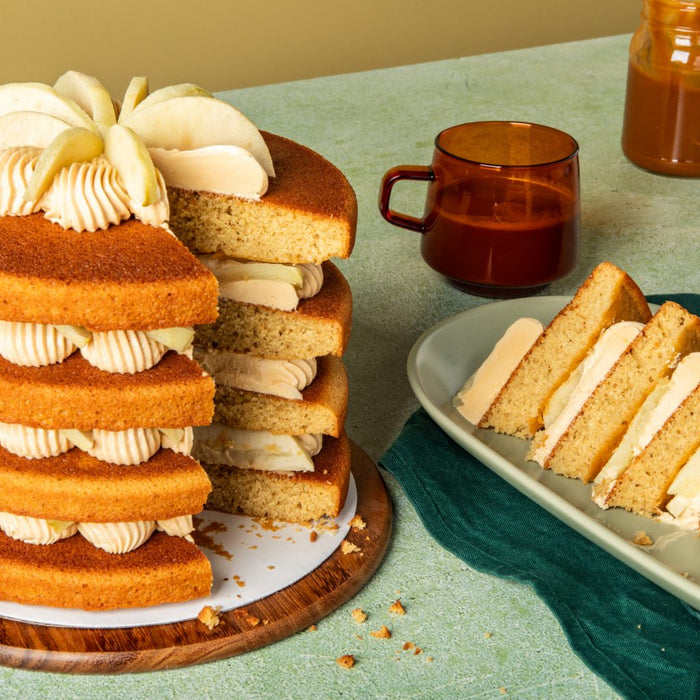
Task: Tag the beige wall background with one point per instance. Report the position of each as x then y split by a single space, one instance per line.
223 45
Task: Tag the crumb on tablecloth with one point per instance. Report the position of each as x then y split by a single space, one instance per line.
382 633
397 608
359 615
346 661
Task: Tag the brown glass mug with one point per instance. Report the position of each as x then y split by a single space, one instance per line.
502 212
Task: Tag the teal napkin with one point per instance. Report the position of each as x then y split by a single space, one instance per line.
642 640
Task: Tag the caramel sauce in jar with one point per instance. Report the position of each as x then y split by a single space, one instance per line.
661 129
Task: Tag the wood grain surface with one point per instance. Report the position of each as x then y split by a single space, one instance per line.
156 647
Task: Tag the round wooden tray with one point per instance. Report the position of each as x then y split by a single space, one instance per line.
156 647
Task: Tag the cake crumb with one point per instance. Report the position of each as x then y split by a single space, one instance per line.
311 628
487 635
348 547
357 523
346 661
359 615
313 536
409 646
502 690
243 615
397 608
382 633
209 616
641 538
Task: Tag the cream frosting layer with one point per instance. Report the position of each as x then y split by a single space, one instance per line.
480 390
284 378
119 351
85 196
574 393
255 449
267 284
115 538
684 506
122 447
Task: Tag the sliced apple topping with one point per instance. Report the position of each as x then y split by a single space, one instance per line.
59 526
130 157
73 145
82 440
26 128
190 122
37 97
172 91
89 94
77 335
178 338
136 92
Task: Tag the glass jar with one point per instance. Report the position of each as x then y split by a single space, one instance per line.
661 129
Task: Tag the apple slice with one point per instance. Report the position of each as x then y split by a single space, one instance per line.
130 157
136 92
172 91
89 94
178 338
81 439
185 123
30 129
73 145
77 335
37 97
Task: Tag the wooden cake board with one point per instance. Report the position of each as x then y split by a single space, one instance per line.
158 647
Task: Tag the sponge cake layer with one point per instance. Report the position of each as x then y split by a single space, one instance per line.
176 393
73 574
128 277
76 487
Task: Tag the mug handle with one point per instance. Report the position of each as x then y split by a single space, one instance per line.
391 177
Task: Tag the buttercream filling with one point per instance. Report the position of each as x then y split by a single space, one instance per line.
267 284
224 169
584 379
481 389
122 447
284 378
115 538
119 351
255 449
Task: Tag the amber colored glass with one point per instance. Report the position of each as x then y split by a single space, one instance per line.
661 128
502 212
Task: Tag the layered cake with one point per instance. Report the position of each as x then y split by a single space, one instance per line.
102 398
622 410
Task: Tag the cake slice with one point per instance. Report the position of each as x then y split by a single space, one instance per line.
596 429
307 215
659 442
608 295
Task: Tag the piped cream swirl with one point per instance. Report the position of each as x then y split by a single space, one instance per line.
16 168
123 352
35 530
33 344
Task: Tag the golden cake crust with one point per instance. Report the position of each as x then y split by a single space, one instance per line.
308 214
73 574
322 409
176 393
128 277
319 326
77 487
294 497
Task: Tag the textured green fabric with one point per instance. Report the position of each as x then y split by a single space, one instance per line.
642 640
